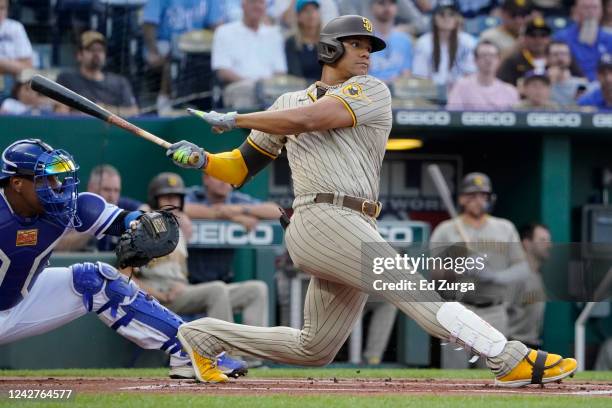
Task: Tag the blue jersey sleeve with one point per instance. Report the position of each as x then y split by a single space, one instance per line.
95 214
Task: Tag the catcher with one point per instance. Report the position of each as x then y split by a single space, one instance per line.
39 203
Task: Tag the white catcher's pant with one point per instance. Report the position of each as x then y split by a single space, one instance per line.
52 303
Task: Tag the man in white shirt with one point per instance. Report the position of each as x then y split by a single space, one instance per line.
248 49
15 47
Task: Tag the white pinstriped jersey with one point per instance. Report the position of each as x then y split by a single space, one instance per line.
345 160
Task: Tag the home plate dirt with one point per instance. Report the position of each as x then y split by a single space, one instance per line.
302 386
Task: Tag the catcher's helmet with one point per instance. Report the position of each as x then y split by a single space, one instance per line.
165 184
330 47
37 160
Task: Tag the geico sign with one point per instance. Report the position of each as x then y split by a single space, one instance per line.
602 120
232 234
437 118
554 119
398 234
488 118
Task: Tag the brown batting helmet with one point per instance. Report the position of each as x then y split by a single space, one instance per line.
165 184
330 46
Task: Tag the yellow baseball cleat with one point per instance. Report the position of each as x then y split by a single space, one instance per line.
538 367
205 370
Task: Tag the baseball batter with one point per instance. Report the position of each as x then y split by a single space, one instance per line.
335 133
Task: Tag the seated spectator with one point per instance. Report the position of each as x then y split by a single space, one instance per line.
531 54
284 11
513 15
446 53
587 41
218 200
105 181
606 20
245 51
409 16
396 60
109 90
536 87
482 90
600 98
565 88
24 100
301 47
166 278
164 22
15 47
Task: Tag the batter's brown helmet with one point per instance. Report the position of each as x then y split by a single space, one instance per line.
476 183
165 184
330 46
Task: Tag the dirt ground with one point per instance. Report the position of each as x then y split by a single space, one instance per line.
245 386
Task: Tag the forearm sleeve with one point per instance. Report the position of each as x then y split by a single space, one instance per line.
240 165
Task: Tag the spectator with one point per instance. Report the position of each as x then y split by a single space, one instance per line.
24 100
245 51
409 16
219 201
446 53
536 87
109 90
530 56
514 15
166 278
587 41
526 309
301 47
565 88
15 47
164 22
483 91
606 20
601 97
284 11
396 60
504 265
105 181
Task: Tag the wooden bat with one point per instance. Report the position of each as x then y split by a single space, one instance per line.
445 195
70 98
64 95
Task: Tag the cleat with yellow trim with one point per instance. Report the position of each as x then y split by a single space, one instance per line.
205 370
538 367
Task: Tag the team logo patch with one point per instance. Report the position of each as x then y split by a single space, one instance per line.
353 90
367 25
27 237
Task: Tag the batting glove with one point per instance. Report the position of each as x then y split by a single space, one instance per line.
187 155
222 122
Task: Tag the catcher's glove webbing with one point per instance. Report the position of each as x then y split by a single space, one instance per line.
155 234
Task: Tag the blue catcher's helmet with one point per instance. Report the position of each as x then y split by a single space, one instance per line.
53 172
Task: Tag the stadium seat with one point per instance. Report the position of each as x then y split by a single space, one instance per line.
268 90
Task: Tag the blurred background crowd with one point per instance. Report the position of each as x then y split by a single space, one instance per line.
158 56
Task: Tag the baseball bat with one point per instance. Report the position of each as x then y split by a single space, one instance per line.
70 98
445 195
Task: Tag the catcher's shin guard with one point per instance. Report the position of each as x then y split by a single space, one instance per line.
126 309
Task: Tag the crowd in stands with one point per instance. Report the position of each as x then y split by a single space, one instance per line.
511 54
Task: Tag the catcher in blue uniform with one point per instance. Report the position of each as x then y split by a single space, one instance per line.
39 203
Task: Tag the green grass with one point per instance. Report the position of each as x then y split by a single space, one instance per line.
294 373
282 401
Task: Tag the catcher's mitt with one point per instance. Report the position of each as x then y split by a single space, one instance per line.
155 234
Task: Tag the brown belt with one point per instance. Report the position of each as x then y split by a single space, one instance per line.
366 207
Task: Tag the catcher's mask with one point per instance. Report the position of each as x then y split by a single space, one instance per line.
54 173
330 47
